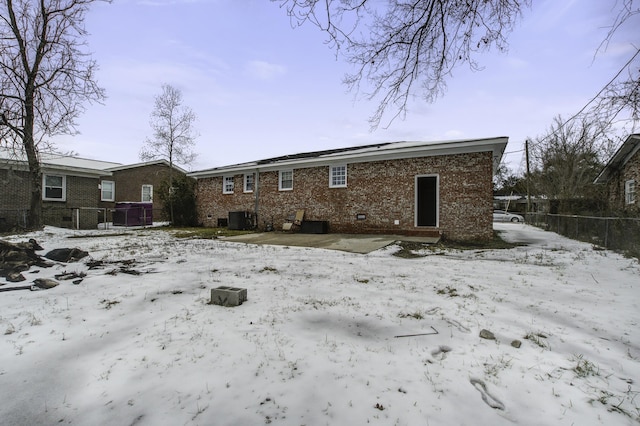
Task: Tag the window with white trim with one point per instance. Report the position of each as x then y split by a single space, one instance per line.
630 191
107 190
147 193
227 185
54 187
285 180
338 176
249 181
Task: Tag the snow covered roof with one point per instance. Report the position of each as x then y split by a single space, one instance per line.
52 161
64 161
366 153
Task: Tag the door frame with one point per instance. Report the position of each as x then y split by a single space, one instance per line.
415 200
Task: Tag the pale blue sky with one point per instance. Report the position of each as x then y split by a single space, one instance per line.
262 89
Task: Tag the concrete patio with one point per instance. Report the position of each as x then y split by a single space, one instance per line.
353 243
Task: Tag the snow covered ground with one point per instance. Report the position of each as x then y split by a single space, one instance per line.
316 342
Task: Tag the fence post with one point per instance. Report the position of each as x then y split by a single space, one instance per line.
606 233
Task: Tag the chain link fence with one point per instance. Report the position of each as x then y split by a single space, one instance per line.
615 233
82 217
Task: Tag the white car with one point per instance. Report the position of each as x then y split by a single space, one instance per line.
502 216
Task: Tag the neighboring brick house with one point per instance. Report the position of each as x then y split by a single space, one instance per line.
70 196
137 183
417 188
622 176
77 192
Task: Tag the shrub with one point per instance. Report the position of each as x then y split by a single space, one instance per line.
181 199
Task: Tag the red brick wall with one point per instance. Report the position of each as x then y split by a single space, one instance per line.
384 191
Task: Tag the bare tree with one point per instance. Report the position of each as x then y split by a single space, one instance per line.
622 93
568 158
619 99
508 182
407 43
45 77
173 133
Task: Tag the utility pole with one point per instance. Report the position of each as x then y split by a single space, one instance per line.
526 149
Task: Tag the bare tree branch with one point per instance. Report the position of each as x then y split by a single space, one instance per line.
173 133
628 10
400 44
568 158
46 75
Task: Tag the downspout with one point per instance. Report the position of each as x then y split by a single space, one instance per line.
256 194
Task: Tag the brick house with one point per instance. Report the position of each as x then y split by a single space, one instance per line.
416 188
137 183
77 192
70 196
621 175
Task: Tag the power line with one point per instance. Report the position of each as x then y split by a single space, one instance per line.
573 117
513 152
606 85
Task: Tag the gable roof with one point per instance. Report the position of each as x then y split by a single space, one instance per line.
628 149
365 153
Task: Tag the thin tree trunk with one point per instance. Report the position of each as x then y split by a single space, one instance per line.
35 207
171 186
35 171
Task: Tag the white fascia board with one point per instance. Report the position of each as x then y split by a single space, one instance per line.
385 153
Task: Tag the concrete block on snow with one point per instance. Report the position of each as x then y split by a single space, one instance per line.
228 296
